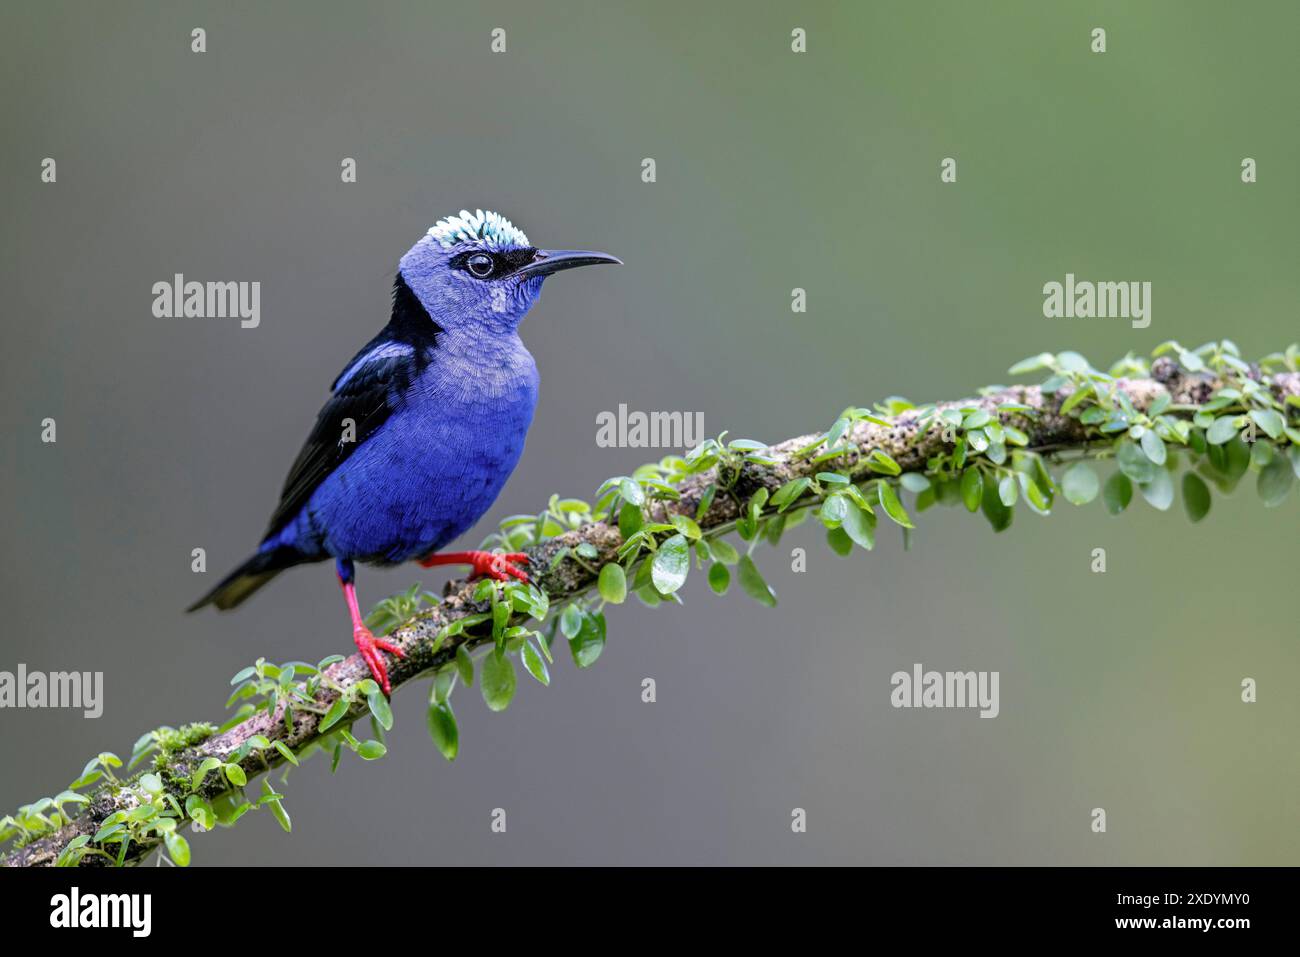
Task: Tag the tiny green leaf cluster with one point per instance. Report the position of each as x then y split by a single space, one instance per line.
507 603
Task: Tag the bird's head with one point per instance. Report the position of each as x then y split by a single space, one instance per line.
478 271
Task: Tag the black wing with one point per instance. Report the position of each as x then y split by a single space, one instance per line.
366 392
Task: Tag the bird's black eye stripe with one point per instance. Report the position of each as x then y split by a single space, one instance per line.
503 264
516 259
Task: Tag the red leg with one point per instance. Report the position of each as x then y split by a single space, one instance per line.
367 643
500 567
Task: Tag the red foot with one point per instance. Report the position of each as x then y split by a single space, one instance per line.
370 646
367 643
500 567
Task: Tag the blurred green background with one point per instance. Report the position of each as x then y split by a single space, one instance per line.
775 170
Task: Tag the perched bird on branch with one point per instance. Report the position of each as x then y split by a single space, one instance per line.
423 426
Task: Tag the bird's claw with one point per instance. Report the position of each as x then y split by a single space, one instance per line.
500 567
370 646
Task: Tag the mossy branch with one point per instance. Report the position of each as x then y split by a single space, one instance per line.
985 452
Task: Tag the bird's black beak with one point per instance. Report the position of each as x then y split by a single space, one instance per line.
548 261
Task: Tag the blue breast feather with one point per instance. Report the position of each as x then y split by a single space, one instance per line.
456 420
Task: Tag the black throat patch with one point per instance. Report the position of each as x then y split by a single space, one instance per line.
410 322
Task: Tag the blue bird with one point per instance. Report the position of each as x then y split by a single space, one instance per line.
423 426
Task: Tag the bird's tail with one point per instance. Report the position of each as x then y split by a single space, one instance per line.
249 577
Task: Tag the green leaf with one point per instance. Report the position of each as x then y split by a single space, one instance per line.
336 711
631 491
1008 490
1269 421
972 488
235 775
533 661
87 778
835 508
860 526
1072 362
69 857
1154 447
686 526
1237 455
630 521
287 753
151 783
1079 484
201 772
1015 436
789 493
281 815
1117 493
589 641
671 564
178 849
464 666
724 551
1159 492
1037 486
719 578
751 581
892 506
570 621
1222 430
612 584
500 617
1075 397
1032 364
272 800
878 461
371 750
1274 481
915 482
443 730
839 541
1196 496
706 500
200 810
444 682
1133 462
998 515
380 708
497 680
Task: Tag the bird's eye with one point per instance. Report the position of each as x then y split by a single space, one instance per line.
481 265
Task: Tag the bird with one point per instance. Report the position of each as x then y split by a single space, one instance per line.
422 427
